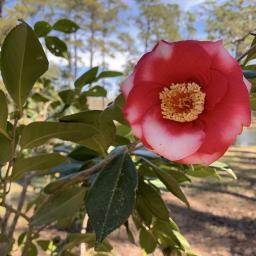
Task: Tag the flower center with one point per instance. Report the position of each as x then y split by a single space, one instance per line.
182 102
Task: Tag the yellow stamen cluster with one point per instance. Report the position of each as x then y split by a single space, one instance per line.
182 102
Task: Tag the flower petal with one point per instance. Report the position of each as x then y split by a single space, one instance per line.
223 124
127 85
143 96
183 61
202 158
170 139
216 89
221 58
247 84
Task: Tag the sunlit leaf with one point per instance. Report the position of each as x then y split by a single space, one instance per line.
97 91
42 28
23 61
86 78
56 46
106 74
147 240
66 26
89 238
37 133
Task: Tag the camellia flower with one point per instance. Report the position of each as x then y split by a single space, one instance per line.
187 101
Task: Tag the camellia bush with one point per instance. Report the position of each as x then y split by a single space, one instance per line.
94 171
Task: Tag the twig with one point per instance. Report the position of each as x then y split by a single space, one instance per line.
84 174
8 171
11 209
19 207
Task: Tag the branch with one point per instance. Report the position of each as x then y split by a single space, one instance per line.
20 206
11 209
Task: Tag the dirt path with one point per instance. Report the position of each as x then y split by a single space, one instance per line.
222 218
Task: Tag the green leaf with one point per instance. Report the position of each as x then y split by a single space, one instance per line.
82 154
3 112
86 78
56 46
32 250
67 96
36 163
97 91
253 101
115 110
106 74
202 171
170 183
147 240
62 204
66 26
249 74
38 97
42 28
111 199
153 200
182 240
252 52
89 238
4 149
38 133
23 61
143 211
105 129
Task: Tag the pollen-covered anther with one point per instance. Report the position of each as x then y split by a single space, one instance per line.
182 102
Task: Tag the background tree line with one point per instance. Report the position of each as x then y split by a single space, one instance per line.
112 28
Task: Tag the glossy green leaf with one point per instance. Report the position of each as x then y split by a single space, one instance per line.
62 204
23 61
42 28
147 240
67 96
36 163
37 133
82 154
202 171
3 113
56 46
86 78
66 26
111 198
106 74
171 184
153 200
89 238
97 91
105 129
143 211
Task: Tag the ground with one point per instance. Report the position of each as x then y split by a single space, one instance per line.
222 217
